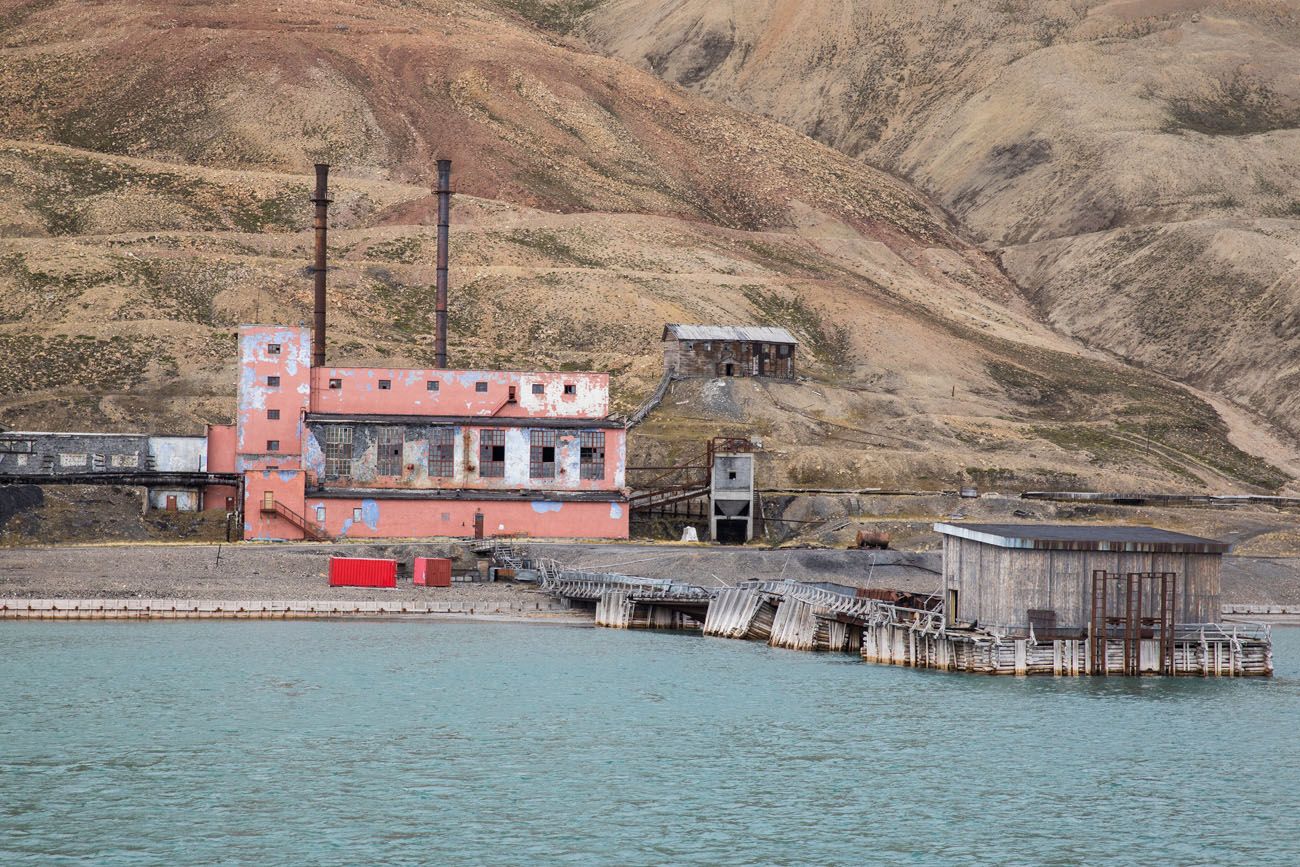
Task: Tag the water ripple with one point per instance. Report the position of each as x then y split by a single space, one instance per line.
405 743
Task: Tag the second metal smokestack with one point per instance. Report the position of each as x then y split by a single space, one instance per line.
320 222
444 221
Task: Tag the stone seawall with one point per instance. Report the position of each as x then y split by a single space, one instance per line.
117 609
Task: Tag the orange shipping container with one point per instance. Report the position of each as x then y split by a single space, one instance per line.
432 571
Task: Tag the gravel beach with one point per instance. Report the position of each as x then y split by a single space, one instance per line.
298 571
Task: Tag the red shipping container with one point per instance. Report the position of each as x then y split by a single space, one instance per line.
432 571
362 572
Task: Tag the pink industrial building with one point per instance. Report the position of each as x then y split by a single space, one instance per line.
325 452
366 452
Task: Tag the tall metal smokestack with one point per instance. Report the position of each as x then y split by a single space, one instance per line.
444 221
320 223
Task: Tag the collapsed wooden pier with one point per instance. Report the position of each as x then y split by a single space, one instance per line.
835 618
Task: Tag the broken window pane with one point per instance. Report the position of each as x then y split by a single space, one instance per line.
541 464
492 453
570 388
592 461
336 383
385 384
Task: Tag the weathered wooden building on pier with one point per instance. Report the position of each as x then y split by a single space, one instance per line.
1013 599
1018 577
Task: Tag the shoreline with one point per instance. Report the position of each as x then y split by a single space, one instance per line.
189 609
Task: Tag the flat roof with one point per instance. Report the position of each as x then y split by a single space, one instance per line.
1084 537
548 421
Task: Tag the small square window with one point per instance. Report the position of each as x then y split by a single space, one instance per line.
356 514
272 349
273 382
272 445
731 474
539 388
273 414
336 383
480 387
570 388
385 385
431 385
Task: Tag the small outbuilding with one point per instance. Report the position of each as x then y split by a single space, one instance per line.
729 350
1060 579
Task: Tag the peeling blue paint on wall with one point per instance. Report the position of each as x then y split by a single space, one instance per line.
543 506
287 475
615 510
313 456
370 513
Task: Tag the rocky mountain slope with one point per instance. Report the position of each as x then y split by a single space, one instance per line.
154 175
1134 165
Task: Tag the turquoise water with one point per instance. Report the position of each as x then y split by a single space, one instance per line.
478 743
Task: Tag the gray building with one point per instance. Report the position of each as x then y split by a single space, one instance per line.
38 453
54 456
1061 579
729 350
731 498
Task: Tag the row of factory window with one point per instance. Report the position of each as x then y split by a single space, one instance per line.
26 456
442 453
432 385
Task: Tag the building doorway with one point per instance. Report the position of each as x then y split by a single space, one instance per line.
729 369
732 531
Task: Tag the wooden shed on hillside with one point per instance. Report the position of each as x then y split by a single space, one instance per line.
1061 579
729 350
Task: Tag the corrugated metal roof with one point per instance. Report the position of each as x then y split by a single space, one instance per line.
1080 537
747 333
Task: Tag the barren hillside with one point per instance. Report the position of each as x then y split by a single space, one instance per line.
153 195
1133 164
